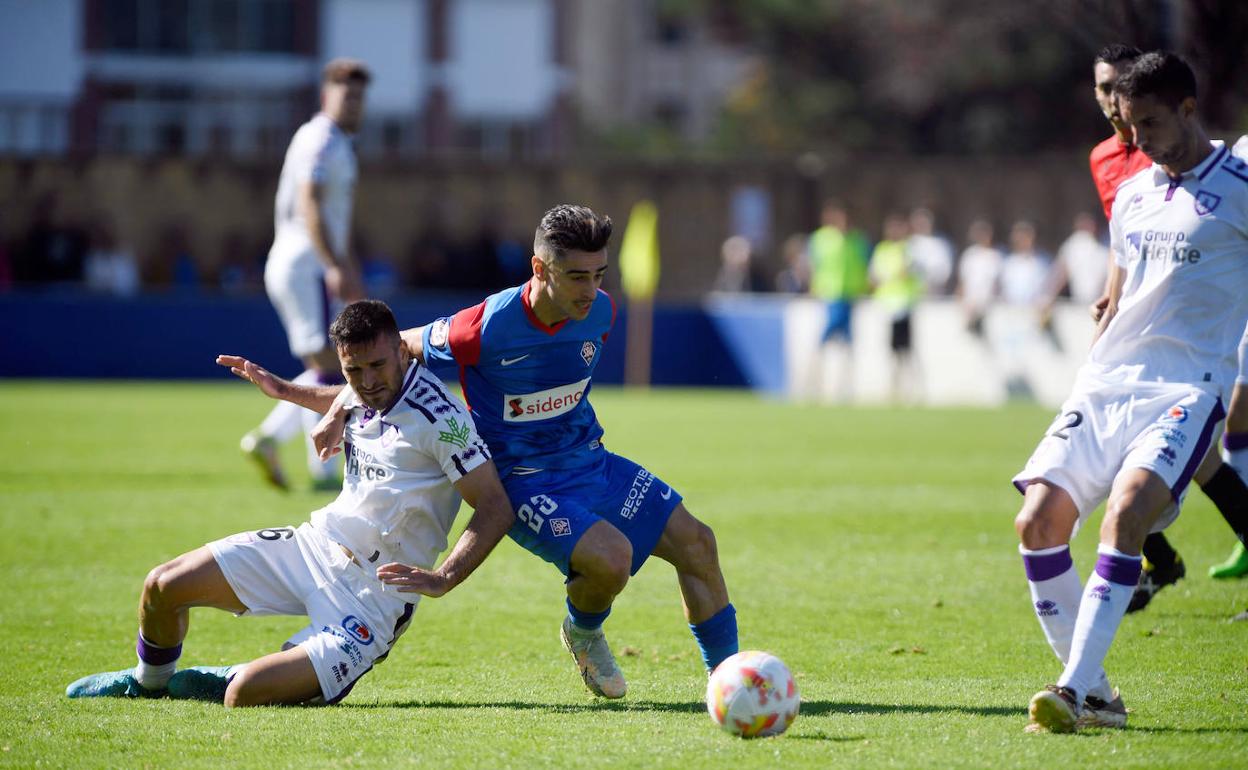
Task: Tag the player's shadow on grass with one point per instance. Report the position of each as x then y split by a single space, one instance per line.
559 708
809 707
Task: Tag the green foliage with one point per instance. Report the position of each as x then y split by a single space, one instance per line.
872 549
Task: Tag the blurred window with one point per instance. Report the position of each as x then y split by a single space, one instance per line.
199 26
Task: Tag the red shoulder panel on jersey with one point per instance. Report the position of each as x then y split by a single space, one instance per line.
613 312
465 335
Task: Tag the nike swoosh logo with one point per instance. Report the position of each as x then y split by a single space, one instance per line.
510 361
666 494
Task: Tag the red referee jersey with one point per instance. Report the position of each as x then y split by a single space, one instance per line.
1113 163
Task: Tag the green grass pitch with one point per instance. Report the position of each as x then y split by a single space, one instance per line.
871 549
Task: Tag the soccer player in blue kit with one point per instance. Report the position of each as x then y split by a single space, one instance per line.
526 358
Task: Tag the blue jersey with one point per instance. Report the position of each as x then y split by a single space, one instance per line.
527 384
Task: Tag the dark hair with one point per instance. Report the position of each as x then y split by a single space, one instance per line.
568 227
345 70
1116 52
1159 74
362 322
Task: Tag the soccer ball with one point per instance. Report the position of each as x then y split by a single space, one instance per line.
752 694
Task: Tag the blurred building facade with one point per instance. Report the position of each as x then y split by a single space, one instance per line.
500 79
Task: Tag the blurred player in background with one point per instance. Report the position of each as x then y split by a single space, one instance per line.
898 288
838 275
412 452
1147 403
979 275
1113 161
526 358
310 268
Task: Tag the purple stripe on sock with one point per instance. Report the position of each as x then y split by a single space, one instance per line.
1046 566
1118 569
1235 441
1198 451
156 656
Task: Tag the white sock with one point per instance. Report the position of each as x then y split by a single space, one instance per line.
155 672
1101 610
284 421
1055 600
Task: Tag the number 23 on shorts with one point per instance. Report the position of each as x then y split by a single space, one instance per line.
534 512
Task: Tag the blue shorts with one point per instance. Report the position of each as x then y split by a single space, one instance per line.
555 508
840 315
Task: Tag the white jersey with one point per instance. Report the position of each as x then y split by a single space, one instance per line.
397 501
321 153
1183 244
979 272
1085 259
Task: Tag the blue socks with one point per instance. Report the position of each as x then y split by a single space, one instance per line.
717 636
589 621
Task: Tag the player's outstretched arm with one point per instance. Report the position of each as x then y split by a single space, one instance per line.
327 434
491 518
414 341
318 398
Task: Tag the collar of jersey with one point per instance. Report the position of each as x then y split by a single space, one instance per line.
1200 170
533 319
412 369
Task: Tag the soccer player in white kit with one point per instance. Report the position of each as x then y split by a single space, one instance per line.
310 268
411 452
1147 403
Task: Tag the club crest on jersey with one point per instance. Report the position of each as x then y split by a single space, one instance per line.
358 631
588 350
439 333
1206 202
1175 414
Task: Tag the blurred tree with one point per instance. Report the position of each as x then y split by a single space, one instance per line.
953 76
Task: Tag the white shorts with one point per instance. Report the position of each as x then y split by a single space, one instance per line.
300 571
1104 429
296 287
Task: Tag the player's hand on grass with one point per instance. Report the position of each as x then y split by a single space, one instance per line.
269 384
413 579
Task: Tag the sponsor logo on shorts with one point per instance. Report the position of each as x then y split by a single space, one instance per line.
340 672
560 527
637 493
588 351
1206 202
1172 436
1099 592
1045 608
358 631
543 404
1167 455
346 644
1175 414
439 333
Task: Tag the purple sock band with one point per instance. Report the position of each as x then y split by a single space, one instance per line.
1122 570
1046 566
156 656
1235 441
